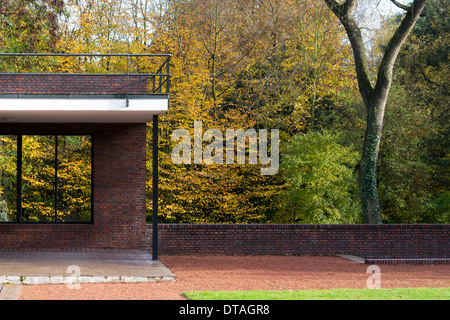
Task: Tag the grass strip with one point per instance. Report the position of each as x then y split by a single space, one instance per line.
333 294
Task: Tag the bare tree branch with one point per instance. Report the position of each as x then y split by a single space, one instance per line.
343 12
401 6
387 63
348 6
422 70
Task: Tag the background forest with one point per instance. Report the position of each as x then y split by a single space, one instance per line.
270 64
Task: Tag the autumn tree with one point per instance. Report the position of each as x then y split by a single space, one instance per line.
235 65
415 150
210 42
322 184
374 93
305 70
29 26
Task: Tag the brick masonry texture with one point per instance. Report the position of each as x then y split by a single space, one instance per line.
119 176
73 84
389 241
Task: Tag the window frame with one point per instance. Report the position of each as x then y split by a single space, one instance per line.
19 176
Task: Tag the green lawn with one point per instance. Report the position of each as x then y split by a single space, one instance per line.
335 294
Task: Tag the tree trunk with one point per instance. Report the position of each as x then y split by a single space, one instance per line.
371 211
374 98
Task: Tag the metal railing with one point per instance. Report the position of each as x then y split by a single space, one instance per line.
91 64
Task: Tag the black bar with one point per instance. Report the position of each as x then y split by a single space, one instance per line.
155 188
168 77
160 68
161 84
128 80
56 178
86 54
19 177
83 74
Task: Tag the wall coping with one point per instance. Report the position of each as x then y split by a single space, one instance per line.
298 226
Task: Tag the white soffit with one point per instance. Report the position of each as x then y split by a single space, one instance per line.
81 110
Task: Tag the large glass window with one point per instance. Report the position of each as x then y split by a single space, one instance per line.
54 178
8 178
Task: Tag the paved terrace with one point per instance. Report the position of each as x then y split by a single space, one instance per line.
56 267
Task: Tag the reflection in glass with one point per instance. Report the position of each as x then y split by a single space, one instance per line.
54 178
8 178
74 178
38 179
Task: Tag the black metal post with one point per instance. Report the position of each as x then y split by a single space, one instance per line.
19 177
155 188
56 178
168 77
128 79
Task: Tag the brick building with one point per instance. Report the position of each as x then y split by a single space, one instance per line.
46 119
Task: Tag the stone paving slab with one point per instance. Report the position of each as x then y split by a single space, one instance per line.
43 267
10 292
395 260
408 261
351 257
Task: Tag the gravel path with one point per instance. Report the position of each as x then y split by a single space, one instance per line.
248 273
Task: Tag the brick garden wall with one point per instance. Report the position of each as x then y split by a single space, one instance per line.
119 179
367 241
72 84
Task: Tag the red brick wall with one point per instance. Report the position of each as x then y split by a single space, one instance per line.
72 84
366 241
119 175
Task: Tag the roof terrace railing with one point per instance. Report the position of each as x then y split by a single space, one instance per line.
84 74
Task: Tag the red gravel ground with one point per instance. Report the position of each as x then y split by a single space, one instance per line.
248 273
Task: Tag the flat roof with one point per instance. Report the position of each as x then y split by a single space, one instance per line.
81 108
131 88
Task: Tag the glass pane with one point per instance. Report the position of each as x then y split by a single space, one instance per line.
74 178
38 179
8 178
